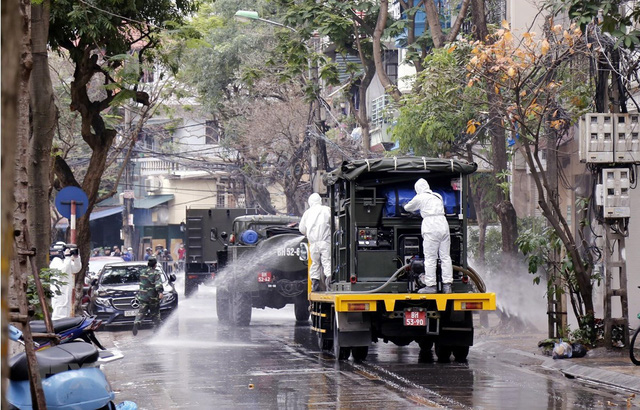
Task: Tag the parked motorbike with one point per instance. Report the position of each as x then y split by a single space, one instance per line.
68 329
71 377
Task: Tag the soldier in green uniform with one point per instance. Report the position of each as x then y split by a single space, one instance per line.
149 295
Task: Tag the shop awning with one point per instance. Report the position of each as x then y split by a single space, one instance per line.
149 202
96 214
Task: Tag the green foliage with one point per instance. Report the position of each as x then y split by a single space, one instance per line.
492 247
433 119
52 280
615 17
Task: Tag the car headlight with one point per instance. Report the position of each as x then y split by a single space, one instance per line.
102 302
167 298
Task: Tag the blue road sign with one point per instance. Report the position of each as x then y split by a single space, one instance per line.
68 194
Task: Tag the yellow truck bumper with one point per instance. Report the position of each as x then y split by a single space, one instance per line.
359 302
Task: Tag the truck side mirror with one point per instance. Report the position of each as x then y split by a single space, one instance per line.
214 234
223 235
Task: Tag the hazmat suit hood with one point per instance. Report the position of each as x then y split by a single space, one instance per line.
421 187
314 199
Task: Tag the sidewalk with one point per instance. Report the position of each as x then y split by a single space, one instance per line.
608 367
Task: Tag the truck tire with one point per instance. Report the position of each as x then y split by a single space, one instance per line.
241 308
223 305
340 353
443 353
301 309
460 353
324 343
359 353
190 287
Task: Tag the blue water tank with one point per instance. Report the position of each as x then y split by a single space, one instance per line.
249 237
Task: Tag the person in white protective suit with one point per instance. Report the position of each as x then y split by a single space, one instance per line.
70 265
315 224
436 241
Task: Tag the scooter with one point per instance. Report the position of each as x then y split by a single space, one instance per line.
68 329
71 377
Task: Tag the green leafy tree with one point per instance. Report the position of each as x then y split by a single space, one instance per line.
96 37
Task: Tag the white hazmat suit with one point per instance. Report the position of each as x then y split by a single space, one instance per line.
62 303
316 226
435 233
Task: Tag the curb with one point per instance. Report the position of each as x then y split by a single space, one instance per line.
570 369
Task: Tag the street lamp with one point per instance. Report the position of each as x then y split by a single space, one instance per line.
246 16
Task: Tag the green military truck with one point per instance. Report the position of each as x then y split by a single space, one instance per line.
204 229
263 265
377 258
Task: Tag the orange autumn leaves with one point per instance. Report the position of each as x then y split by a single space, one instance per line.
520 69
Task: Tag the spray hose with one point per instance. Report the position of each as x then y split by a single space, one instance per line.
391 279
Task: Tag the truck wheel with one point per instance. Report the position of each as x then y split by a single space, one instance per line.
302 311
189 287
223 305
360 353
443 353
341 353
324 343
460 353
241 308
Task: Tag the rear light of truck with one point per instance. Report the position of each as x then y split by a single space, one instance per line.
358 307
471 305
265 277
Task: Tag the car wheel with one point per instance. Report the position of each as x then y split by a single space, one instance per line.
241 308
223 305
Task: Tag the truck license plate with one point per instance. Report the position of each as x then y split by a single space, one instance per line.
415 318
130 312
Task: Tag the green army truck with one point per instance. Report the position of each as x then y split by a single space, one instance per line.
377 258
204 229
264 265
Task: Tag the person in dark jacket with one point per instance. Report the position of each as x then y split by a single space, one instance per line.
149 295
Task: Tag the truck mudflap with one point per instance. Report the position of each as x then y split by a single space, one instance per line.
359 302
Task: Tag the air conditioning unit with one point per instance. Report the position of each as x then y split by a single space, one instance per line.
152 184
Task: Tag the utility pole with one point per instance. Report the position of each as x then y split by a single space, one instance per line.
128 194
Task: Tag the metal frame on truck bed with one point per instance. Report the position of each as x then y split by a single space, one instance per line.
377 257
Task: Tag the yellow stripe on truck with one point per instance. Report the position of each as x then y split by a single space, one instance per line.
461 301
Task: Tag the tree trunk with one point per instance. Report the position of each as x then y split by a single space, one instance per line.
433 18
21 181
44 114
11 31
503 207
361 113
389 87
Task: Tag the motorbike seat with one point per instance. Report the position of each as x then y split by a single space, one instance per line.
59 325
54 360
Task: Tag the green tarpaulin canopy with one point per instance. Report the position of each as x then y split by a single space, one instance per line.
351 170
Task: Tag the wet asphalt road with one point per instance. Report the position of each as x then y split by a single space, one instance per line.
193 362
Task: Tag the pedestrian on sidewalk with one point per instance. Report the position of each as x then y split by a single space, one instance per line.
149 295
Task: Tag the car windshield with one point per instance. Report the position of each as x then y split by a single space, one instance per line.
115 275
